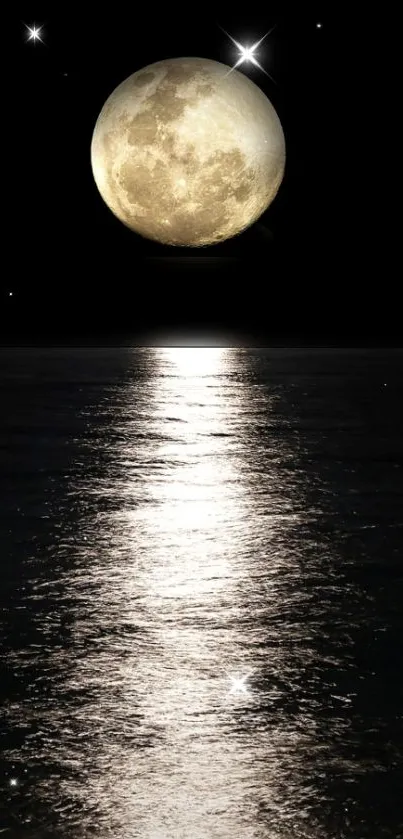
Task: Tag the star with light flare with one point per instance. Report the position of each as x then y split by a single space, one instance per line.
34 33
248 53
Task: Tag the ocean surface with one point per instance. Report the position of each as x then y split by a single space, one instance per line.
201 583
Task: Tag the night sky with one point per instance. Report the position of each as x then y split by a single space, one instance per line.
300 274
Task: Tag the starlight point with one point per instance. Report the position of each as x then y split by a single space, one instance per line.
34 33
248 53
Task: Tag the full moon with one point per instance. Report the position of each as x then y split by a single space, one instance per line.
188 152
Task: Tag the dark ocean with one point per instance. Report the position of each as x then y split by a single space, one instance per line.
201 584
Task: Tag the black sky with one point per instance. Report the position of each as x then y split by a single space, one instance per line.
306 272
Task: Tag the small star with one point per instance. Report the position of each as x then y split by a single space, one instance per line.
13 782
248 53
319 26
34 33
10 293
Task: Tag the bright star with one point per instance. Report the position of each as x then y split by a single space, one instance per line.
248 53
319 26
34 33
13 782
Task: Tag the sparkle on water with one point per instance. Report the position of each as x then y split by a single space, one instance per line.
239 683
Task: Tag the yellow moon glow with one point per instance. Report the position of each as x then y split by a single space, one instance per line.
186 153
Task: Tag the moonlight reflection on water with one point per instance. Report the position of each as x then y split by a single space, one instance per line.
187 631
189 549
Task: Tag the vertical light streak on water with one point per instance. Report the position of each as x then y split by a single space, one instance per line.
186 543
188 576
200 585
186 631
